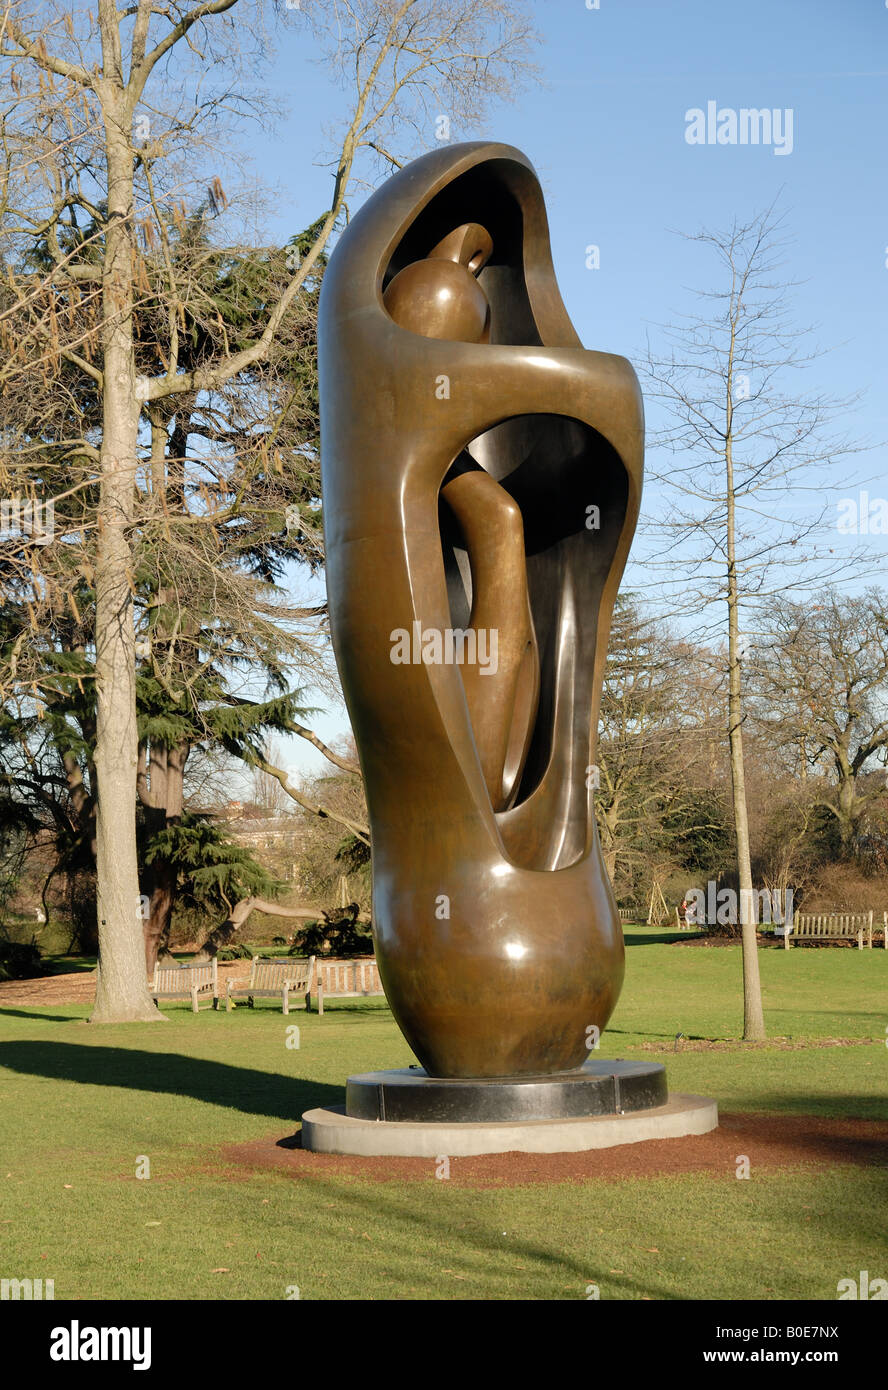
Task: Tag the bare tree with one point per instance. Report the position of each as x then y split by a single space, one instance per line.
651 746
267 792
747 452
822 674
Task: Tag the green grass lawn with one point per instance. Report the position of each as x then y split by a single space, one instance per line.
80 1106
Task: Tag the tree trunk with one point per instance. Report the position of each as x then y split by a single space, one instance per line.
160 911
121 985
847 813
82 914
164 803
753 1014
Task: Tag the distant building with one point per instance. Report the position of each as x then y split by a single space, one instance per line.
274 840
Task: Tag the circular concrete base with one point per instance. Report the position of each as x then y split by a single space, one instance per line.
331 1131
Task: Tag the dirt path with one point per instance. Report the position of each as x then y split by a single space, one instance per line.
80 988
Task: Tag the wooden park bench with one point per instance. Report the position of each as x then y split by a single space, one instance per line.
829 926
186 982
626 914
273 979
346 979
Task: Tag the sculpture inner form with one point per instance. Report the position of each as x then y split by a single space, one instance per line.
482 475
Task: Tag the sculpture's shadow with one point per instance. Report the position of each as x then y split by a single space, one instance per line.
173 1074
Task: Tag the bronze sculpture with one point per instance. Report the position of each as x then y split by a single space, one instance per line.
482 475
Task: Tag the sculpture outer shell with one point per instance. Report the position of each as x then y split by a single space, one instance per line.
497 935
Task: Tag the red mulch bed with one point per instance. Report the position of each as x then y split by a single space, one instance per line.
769 1141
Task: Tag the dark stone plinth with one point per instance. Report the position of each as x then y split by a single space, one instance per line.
596 1088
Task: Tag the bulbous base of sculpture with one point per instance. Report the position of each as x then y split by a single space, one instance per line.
599 1087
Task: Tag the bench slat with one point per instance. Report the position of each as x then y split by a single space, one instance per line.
347 979
185 982
832 926
270 978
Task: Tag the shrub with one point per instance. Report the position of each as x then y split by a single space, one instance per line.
338 934
234 953
20 961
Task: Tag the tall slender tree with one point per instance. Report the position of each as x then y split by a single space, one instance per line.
744 452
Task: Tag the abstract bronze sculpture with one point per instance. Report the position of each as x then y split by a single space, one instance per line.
482 475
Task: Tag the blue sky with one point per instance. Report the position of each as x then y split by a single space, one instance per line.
606 132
